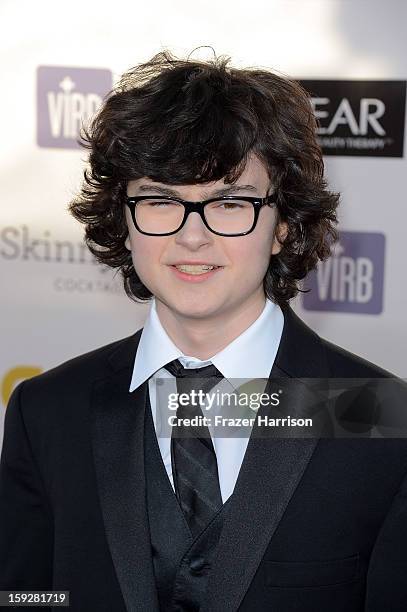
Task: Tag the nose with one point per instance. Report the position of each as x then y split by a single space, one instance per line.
194 234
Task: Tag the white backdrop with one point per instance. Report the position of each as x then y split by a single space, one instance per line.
55 302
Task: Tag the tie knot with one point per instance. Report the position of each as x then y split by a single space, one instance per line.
176 369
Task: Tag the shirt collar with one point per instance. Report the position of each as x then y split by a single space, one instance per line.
250 355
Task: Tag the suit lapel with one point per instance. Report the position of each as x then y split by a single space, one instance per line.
270 473
118 450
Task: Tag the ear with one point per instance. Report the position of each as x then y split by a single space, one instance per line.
280 235
127 243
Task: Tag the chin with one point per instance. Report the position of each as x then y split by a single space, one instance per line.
194 309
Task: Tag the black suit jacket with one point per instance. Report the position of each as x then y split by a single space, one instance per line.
312 525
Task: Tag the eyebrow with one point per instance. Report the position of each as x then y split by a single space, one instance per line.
153 189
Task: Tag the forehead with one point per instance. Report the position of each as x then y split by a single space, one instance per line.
254 178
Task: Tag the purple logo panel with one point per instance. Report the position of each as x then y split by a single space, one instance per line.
67 97
351 280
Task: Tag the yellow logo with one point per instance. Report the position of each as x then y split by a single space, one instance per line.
15 375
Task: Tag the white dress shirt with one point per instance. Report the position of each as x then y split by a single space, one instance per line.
250 355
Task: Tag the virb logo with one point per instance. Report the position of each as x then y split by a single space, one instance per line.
66 98
351 280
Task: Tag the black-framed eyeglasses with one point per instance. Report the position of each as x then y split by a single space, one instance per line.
224 216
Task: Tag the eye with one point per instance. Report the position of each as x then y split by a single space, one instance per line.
151 203
229 205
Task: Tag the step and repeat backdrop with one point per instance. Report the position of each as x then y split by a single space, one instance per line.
56 302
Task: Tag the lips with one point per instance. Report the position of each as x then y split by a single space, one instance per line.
195 268
196 272
196 263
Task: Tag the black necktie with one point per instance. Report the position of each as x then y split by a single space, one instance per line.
193 458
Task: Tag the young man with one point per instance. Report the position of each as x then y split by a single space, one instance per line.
206 190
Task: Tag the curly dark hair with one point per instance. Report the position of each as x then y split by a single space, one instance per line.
182 121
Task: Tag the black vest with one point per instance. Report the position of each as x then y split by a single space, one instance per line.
181 564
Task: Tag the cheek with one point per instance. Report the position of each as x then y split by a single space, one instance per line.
252 251
252 258
143 263
146 254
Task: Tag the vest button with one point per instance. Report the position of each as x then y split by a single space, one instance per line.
196 566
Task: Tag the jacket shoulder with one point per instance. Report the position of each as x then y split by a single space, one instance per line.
303 353
344 363
61 394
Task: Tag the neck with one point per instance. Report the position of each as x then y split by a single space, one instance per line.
201 338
